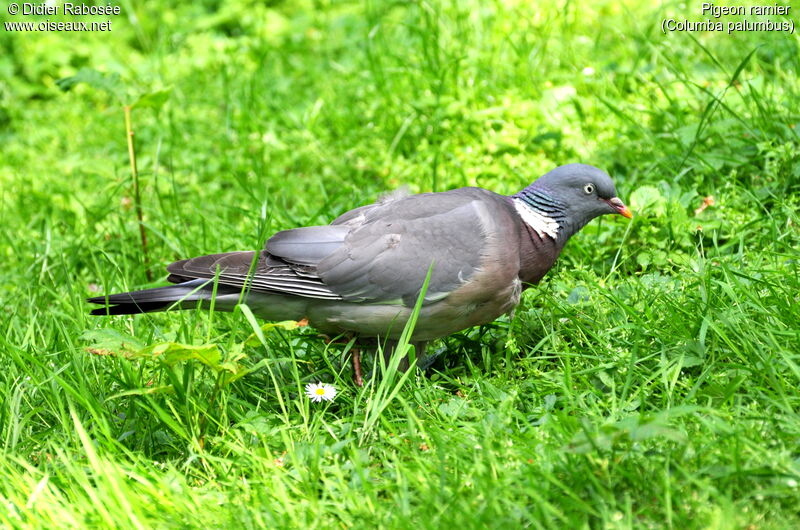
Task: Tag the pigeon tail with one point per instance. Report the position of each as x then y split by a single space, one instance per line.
132 308
184 296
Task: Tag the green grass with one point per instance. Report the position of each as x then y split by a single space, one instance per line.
651 380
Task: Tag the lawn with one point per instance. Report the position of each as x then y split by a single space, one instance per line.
652 379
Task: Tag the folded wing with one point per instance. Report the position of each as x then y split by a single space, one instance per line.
375 254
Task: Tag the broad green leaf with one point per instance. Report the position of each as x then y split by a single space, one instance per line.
111 342
110 83
648 202
256 338
173 353
154 100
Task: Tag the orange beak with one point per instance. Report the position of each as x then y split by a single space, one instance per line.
620 207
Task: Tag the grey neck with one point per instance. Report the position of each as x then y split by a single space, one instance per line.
544 214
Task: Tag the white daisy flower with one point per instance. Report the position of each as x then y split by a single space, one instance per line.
317 392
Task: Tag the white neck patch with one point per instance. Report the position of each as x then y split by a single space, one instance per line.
539 222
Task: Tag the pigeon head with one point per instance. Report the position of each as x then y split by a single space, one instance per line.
567 198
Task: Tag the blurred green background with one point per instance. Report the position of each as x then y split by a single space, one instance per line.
651 380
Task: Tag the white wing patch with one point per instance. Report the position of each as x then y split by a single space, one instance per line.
541 223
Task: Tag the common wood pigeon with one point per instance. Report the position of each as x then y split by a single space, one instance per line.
362 274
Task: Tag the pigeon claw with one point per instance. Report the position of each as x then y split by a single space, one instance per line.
358 378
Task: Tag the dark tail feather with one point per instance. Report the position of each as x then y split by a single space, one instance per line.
134 308
148 300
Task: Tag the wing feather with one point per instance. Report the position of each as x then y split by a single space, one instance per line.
387 256
268 274
378 253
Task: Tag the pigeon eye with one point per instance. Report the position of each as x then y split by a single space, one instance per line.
589 189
